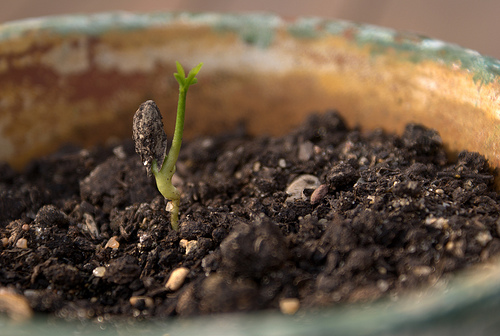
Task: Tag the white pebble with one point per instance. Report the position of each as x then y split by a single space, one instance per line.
422 270
189 245
438 223
483 238
306 150
148 302
16 306
90 225
22 243
296 188
112 243
382 285
289 306
176 279
256 166
169 207
120 153
99 272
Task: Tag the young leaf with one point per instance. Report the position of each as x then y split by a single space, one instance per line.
180 70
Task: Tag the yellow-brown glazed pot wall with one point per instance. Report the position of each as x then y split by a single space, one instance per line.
80 79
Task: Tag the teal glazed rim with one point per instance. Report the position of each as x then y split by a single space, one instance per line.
259 29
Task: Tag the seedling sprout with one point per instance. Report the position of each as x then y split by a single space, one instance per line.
151 141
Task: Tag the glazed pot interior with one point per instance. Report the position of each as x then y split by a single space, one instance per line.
79 79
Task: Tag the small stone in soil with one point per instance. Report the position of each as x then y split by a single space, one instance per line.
296 189
189 245
22 243
176 279
319 193
289 306
16 306
141 302
99 272
112 243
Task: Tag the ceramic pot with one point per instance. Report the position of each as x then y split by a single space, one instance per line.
79 79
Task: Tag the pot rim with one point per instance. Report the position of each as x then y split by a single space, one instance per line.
414 47
382 316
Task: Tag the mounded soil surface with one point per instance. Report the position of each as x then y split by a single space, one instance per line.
322 216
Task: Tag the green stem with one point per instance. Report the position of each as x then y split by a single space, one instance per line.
164 175
167 189
173 153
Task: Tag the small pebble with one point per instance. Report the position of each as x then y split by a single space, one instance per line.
282 163
169 207
296 189
289 306
189 245
22 243
422 270
90 225
207 143
146 301
120 153
176 279
438 223
112 243
363 161
256 167
5 242
483 238
25 227
457 248
382 285
449 246
99 272
319 193
306 150
15 306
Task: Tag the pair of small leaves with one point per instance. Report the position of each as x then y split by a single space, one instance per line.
185 82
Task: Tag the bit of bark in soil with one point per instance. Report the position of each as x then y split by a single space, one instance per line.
390 215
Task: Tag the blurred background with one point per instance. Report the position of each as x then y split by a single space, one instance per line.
471 24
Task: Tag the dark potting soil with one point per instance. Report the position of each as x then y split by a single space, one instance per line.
322 216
